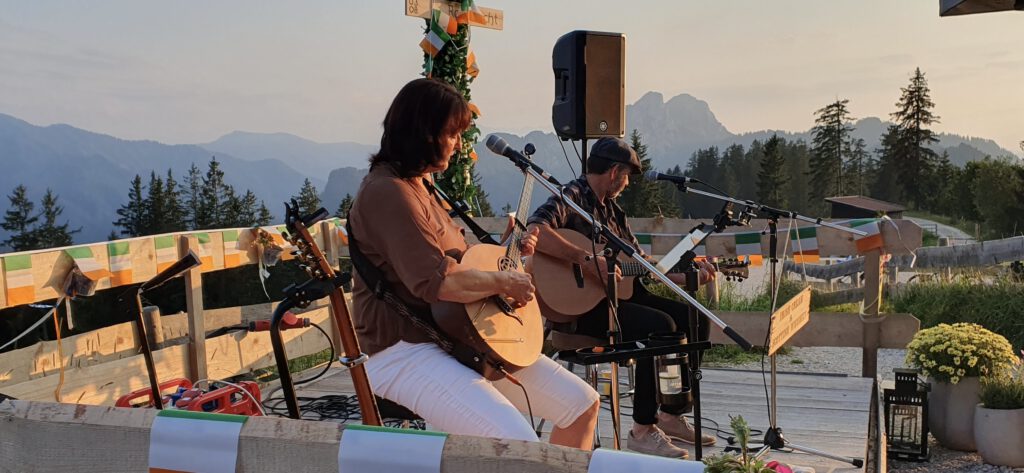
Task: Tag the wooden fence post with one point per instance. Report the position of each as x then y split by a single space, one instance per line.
330 251
870 317
194 307
154 326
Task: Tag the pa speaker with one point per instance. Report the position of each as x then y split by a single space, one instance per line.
590 85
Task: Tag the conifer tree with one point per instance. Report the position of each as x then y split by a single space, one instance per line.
798 157
344 207
643 198
194 210
772 180
830 146
19 220
154 214
856 167
212 198
175 214
50 234
308 199
131 216
916 160
264 217
886 185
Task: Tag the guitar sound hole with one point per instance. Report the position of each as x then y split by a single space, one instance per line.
507 264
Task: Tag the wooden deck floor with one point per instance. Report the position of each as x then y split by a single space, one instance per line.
823 412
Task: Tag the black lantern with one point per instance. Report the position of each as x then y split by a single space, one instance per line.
674 393
906 417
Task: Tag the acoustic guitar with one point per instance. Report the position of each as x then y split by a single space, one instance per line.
565 290
509 337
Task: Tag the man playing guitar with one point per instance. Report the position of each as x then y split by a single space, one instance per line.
609 165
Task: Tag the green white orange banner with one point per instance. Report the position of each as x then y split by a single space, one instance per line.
804 245
232 253
166 252
749 245
342 233
119 258
194 442
367 448
205 250
19 280
873 239
87 263
437 35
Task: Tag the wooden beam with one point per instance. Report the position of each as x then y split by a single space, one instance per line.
194 307
825 329
870 319
94 438
229 355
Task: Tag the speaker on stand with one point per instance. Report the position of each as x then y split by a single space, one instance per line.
590 86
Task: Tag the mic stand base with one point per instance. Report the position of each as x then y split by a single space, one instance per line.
774 440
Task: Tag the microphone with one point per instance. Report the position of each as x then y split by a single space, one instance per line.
653 175
499 146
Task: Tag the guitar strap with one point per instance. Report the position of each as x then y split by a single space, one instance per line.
457 207
373 277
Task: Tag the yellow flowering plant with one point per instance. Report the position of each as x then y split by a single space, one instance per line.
949 353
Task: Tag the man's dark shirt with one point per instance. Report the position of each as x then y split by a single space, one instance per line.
557 214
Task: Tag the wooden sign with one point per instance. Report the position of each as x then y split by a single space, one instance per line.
495 19
789 319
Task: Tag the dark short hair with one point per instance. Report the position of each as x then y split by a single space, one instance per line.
423 113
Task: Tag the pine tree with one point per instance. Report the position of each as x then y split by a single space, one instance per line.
50 234
175 213
344 207
856 168
829 146
772 181
194 210
308 199
250 213
643 198
734 170
886 185
798 158
131 216
212 198
916 160
704 165
264 217
19 220
154 215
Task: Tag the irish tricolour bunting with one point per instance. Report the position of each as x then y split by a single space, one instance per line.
87 263
18 277
872 240
166 253
749 244
205 250
232 253
120 260
804 245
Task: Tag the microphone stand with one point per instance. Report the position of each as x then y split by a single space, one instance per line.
616 244
773 439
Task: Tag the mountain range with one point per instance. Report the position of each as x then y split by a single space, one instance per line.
91 172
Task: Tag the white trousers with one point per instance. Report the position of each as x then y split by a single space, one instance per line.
458 400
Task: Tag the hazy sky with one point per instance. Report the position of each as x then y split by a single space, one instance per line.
189 71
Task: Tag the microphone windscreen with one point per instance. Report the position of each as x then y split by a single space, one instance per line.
496 144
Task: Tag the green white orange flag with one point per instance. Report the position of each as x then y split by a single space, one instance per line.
166 253
371 448
21 287
471 13
873 239
437 35
472 68
232 253
205 250
804 245
87 263
749 245
194 442
120 261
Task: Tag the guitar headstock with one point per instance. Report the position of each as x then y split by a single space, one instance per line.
734 269
310 257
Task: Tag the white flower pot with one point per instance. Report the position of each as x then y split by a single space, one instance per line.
999 435
951 412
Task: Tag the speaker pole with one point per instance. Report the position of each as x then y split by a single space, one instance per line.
583 156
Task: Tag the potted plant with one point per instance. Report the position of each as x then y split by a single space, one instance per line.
999 420
955 358
742 463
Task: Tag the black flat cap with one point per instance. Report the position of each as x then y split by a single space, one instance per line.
615 149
